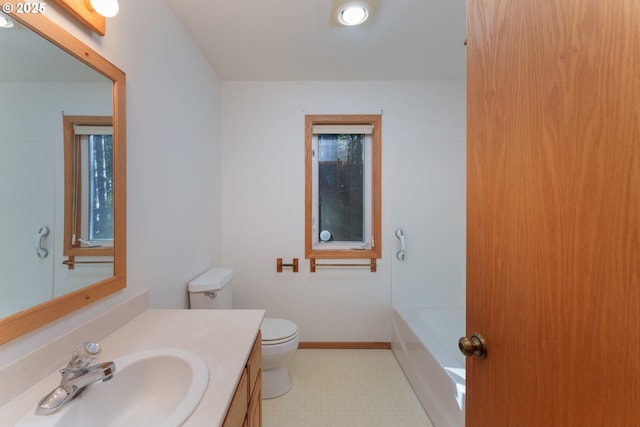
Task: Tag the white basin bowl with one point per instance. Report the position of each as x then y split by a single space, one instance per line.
152 388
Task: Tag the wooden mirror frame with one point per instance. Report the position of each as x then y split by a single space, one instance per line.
18 324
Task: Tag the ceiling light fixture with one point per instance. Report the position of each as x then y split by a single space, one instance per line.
351 12
106 8
5 22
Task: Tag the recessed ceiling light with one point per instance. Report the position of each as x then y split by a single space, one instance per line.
351 12
5 22
353 15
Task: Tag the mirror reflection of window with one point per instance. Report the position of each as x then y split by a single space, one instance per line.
93 201
88 186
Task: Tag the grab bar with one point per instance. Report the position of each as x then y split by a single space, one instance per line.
402 253
41 251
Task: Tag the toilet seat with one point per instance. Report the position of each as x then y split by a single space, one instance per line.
277 331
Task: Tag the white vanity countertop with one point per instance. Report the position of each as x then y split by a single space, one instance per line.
223 338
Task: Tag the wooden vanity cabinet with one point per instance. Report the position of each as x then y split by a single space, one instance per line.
246 407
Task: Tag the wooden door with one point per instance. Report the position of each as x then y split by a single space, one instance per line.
553 246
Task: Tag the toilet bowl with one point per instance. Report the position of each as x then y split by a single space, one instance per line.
212 290
279 342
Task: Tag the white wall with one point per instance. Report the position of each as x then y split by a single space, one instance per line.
263 195
429 203
173 156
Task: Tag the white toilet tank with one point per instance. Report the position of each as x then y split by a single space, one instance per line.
211 289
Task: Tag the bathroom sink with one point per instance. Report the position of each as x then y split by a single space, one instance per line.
153 388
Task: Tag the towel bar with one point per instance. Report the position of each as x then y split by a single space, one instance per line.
372 264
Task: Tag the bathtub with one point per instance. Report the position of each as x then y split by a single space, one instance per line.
424 340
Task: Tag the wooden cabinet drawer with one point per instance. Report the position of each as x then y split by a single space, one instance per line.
254 362
238 408
254 413
246 407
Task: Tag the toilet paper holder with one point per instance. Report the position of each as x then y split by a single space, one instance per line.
293 265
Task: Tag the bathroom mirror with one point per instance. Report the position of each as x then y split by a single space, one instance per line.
100 90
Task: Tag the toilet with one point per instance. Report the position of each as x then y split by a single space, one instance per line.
212 290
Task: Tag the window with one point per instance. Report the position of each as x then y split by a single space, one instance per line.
88 224
343 162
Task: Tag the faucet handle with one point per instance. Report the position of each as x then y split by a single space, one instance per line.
85 355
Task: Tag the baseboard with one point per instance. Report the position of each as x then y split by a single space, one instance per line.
345 345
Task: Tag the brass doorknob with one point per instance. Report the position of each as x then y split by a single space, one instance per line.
474 346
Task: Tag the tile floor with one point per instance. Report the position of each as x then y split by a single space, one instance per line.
345 388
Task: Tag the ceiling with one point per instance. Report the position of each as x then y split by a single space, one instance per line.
292 40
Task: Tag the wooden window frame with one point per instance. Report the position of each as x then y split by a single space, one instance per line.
70 189
376 187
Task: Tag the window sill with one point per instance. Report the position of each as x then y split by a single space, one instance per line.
89 251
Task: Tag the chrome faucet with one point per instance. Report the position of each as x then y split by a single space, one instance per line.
79 373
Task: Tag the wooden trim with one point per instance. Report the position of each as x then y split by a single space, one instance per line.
26 321
376 184
345 345
85 14
43 26
293 265
120 174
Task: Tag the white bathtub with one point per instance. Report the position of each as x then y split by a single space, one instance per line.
425 342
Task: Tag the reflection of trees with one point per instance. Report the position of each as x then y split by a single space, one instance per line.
102 198
341 185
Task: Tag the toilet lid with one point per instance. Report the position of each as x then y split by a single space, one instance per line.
277 331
